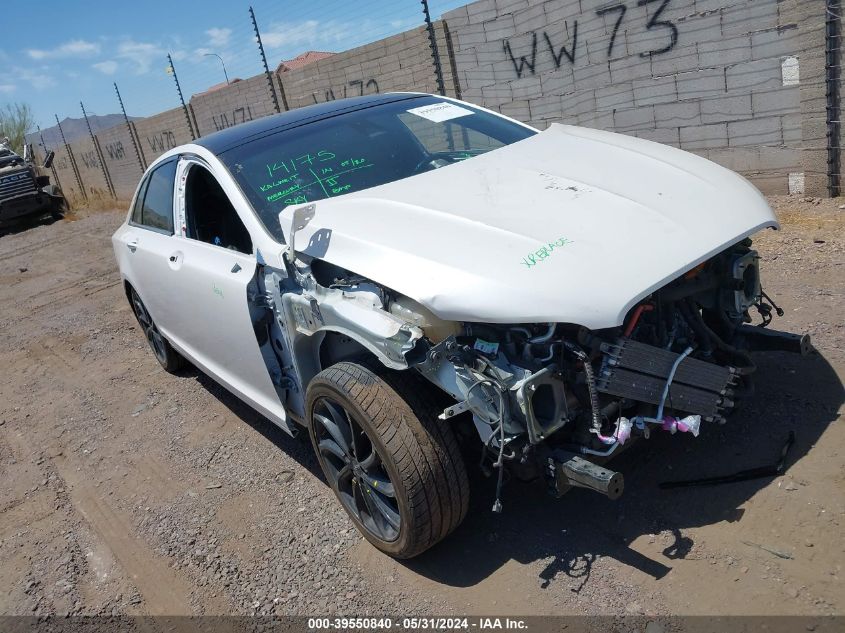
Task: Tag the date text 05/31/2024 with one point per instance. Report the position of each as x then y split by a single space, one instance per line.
416 624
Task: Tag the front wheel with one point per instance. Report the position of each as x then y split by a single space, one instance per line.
59 209
395 468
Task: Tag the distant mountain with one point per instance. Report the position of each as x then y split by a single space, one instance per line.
75 129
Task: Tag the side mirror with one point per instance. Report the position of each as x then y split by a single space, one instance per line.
48 160
301 217
27 152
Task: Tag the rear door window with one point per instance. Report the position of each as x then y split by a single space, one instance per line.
156 211
139 202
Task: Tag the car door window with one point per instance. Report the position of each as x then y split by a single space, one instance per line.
157 210
139 202
210 216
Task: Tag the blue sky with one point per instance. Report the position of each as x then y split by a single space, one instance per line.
56 54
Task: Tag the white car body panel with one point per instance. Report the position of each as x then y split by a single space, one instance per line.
215 329
477 276
197 302
619 217
624 217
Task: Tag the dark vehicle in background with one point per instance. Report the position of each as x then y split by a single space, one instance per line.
24 192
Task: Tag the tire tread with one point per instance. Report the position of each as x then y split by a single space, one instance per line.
423 448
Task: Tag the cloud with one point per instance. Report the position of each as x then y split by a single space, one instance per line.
142 55
308 34
38 79
73 48
218 37
7 88
107 67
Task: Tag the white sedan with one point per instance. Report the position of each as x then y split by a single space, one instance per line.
397 272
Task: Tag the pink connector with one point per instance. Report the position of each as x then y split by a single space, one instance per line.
623 430
689 424
621 435
670 424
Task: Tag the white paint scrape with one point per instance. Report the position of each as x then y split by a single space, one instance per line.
790 70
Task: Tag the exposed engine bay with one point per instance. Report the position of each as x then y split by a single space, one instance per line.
551 400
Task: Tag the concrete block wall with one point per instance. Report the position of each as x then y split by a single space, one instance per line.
237 103
61 163
162 132
715 77
741 82
400 62
397 63
90 170
121 160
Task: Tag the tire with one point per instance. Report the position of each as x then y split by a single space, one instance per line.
167 357
394 440
59 209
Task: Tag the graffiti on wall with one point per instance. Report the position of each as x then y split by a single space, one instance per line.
115 150
543 44
239 115
162 141
89 159
355 88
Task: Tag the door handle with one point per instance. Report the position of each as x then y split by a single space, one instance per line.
132 246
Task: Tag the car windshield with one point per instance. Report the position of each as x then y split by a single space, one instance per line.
362 149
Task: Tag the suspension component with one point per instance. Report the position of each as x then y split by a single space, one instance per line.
567 470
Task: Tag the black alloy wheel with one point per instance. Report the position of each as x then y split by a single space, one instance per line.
168 357
356 470
395 468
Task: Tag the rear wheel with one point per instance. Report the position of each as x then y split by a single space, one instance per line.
395 468
168 357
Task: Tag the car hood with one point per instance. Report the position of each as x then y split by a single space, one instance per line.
571 225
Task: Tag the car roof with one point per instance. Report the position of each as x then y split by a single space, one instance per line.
238 135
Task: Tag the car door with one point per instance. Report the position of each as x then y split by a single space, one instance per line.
213 267
147 242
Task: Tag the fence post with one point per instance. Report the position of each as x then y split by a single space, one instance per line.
833 44
282 91
138 140
72 160
435 54
172 70
264 60
453 66
131 134
99 153
194 118
53 164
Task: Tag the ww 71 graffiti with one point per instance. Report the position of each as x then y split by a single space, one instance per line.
655 22
358 86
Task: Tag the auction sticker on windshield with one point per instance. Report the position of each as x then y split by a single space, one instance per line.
439 112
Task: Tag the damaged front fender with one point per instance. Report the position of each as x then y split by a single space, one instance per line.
359 315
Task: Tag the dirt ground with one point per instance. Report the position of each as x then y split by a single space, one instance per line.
130 491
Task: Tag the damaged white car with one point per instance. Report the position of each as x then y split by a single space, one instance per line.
400 273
